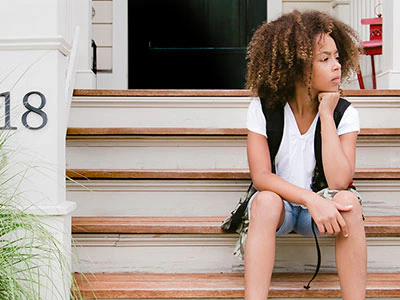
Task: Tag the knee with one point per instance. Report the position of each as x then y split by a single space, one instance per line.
347 198
266 205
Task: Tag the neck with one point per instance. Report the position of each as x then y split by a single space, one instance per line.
301 103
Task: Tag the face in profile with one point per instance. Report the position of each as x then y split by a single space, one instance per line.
326 69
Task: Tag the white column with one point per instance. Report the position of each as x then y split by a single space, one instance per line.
81 15
389 77
33 61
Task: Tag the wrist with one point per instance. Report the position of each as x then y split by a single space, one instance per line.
308 198
326 116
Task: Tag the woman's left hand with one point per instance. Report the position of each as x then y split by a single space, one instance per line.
327 103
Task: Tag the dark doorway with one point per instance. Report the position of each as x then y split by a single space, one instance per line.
190 44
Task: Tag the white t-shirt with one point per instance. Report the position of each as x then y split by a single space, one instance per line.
295 160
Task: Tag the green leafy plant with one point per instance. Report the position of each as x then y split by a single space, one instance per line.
30 252
27 248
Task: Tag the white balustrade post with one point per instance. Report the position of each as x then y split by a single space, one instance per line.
389 77
33 66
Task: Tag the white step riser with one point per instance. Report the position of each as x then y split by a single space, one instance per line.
196 197
205 253
198 153
217 112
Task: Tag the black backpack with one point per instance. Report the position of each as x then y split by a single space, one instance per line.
275 122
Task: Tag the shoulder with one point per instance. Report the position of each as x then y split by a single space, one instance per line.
345 108
255 104
255 117
350 120
342 106
255 108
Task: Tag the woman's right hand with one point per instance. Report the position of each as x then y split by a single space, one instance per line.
326 215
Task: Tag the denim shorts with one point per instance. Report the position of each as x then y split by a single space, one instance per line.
297 218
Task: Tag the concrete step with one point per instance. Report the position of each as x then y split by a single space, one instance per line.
205 109
198 148
227 286
197 244
204 193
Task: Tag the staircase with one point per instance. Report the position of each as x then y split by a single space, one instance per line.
156 171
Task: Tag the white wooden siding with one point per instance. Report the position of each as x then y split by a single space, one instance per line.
102 26
103 10
102 34
104 58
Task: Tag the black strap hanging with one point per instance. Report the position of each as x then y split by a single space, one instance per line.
318 254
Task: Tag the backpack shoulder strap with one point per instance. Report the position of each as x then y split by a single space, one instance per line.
319 180
340 108
275 121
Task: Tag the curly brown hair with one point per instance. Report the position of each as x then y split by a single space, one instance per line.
280 53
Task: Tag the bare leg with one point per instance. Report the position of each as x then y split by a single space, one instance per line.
267 214
351 252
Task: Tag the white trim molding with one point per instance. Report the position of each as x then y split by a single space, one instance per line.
61 209
389 79
37 43
204 102
340 2
161 102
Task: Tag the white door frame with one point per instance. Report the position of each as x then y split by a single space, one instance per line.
118 78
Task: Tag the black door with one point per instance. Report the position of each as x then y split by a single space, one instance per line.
190 44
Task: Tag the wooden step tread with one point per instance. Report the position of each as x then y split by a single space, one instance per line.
238 132
211 93
173 286
230 174
375 226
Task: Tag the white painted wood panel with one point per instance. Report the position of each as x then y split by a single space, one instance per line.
211 253
102 34
161 153
173 153
104 58
212 112
197 198
118 78
103 11
155 197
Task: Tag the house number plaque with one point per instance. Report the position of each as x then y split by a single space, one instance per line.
29 109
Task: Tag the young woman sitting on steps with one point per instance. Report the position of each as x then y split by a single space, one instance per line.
297 63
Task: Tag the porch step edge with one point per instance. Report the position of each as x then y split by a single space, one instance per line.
375 226
222 285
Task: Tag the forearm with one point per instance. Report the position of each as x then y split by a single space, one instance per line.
271 182
264 180
338 169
